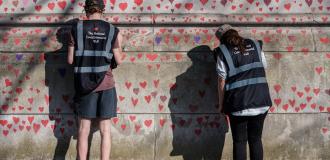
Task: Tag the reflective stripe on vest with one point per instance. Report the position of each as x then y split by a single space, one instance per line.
81 52
246 82
234 71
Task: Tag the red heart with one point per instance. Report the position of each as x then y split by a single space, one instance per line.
44 122
123 6
309 2
189 6
8 82
151 56
128 85
51 5
203 1
267 2
162 122
277 56
277 88
300 94
5 107
259 19
143 84
138 2
30 100
147 98
316 91
163 98
132 118
19 90
5 132
30 119
121 98
156 83
302 106
20 107
292 102
15 119
3 122
313 106
48 99
287 6
113 2
148 123
324 40
115 120
137 128
307 89
324 130
160 107
62 130
134 101
285 107
198 132
36 127
319 70
28 128
278 101
41 109
38 8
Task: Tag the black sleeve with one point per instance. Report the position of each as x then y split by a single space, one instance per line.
261 43
217 53
115 35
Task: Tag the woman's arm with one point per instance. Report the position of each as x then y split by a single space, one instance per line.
70 49
221 92
70 54
117 50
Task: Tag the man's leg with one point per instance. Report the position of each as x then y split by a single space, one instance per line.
105 138
238 125
83 133
255 127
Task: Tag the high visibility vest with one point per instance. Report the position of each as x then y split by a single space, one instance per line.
246 85
93 54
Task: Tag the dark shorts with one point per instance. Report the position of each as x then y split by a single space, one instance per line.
100 104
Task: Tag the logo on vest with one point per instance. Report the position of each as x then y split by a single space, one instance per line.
247 52
95 36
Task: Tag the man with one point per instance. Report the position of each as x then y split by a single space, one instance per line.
94 47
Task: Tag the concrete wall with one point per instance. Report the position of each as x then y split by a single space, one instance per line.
167 85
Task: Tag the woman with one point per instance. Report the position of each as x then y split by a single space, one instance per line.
95 45
243 90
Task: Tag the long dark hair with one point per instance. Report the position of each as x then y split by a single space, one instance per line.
232 38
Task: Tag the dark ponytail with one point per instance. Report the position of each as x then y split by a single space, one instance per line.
232 38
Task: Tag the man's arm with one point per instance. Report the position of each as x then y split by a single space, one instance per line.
117 50
221 92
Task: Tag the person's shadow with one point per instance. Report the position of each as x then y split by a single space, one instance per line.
60 82
198 128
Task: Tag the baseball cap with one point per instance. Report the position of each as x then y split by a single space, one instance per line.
223 29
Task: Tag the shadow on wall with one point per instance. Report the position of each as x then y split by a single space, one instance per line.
198 129
60 82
